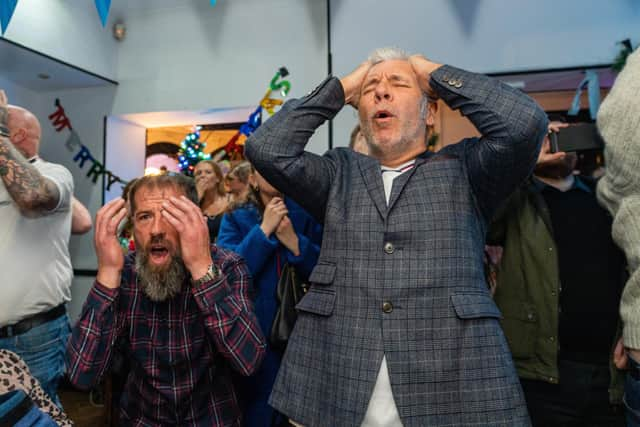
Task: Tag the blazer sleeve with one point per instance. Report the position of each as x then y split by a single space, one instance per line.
512 127
276 148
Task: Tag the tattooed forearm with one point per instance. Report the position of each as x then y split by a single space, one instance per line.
29 189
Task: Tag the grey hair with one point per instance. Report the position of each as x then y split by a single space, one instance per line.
382 54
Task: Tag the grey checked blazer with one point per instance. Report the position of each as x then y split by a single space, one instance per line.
405 281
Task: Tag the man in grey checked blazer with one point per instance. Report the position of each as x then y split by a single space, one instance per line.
398 327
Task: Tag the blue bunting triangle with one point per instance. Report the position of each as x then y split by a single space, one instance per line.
103 10
6 12
213 2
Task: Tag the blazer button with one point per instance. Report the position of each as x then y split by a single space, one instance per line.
388 247
458 84
387 307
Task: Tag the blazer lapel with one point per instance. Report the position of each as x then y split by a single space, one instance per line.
371 173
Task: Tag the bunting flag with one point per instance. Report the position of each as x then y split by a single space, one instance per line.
592 82
6 13
103 10
213 2
82 156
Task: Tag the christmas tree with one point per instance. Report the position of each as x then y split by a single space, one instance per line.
191 152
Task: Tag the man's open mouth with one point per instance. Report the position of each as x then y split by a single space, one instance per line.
382 115
159 254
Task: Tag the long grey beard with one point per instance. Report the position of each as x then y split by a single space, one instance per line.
160 284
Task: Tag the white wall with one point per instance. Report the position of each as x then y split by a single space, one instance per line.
193 56
67 30
481 35
86 109
125 156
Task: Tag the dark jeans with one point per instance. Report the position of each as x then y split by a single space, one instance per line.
581 398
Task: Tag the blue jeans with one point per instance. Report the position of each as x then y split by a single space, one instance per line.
632 393
43 348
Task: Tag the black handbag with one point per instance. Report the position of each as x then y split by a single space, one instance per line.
290 290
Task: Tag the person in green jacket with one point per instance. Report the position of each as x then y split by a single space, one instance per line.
558 286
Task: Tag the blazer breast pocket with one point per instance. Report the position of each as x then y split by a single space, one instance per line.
323 273
320 301
474 306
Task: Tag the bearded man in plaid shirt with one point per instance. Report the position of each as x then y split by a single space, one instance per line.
180 305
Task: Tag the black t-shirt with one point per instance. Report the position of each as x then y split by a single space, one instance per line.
591 273
213 222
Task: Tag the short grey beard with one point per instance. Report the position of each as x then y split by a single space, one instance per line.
160 284
378 151
375 149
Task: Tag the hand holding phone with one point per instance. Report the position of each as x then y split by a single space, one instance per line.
578 137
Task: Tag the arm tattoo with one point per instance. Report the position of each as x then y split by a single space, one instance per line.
31 191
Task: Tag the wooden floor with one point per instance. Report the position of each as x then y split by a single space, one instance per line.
81 410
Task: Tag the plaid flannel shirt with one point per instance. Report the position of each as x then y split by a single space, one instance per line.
180 350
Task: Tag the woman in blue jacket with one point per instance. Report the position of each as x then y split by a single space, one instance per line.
268 231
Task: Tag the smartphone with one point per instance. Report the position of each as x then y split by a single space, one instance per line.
578 137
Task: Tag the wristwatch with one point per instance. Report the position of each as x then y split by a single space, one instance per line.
212 273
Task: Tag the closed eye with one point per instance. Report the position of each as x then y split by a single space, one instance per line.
143 217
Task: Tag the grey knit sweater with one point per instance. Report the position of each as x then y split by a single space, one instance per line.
619 189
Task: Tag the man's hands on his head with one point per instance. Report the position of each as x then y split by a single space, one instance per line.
352 84
423 68
186 217
108 250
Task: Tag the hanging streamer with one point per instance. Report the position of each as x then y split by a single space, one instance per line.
60 121
255 120
103 10
7 7
234 150
592 83
284 85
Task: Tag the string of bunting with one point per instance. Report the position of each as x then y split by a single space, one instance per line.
7 7
60 121
235 150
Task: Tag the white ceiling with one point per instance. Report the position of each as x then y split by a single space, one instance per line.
178 118
23 65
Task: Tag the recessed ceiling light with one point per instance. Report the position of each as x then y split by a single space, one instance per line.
43 76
